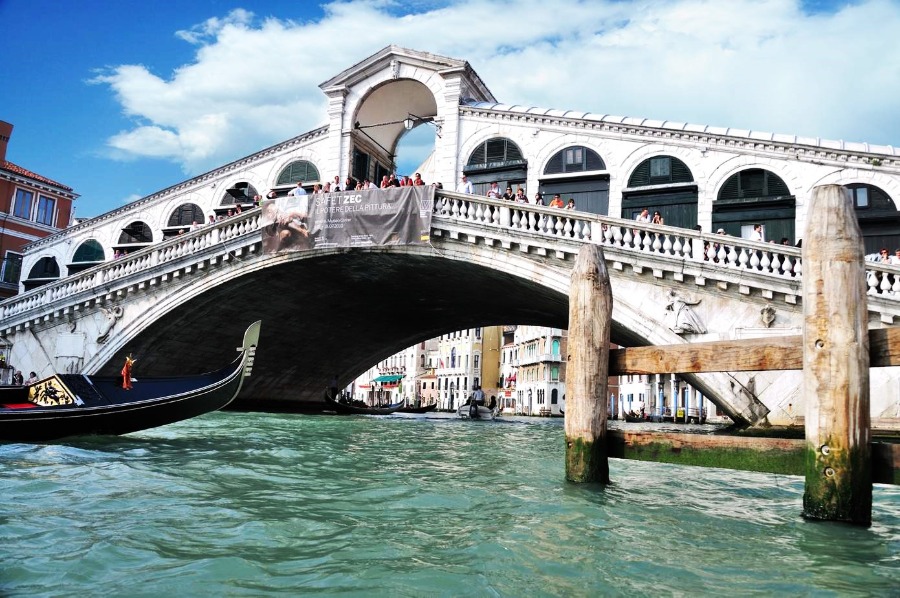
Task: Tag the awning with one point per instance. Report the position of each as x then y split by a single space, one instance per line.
391 378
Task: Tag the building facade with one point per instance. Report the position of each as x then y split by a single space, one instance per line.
32 207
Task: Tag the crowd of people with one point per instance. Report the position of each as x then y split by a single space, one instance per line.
884 257
519 196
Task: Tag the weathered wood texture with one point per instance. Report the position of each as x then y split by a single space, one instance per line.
590 322
835 362
766 455
749 355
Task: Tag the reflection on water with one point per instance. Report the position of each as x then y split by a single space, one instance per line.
246 504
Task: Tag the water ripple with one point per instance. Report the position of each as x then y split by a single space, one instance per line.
244 504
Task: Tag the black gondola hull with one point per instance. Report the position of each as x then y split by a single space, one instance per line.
109 409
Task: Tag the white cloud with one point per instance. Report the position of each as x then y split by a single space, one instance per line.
744 63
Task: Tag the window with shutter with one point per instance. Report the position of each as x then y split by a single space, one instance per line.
576 158
660 170
186 214
299 171
136 232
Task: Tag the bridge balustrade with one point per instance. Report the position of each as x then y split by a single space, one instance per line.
168 251
782 261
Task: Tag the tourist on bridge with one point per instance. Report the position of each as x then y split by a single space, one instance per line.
494 191
644 216
556 202
465 186
298 190
657 218
32 379
538 199
571 204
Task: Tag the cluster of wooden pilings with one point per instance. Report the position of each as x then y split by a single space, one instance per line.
835 359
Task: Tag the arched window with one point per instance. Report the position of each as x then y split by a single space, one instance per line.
753 183
299 171
555 347
590 191
45 270
660 170
879 220
576 158
554 396
136 232
496 160
241 193
90 253
662 184
186 214
755 196
46 267
453 357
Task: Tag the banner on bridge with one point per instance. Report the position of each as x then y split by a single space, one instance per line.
370 218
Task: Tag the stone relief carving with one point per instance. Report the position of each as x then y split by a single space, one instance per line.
395 69
112 315
682 317
767 315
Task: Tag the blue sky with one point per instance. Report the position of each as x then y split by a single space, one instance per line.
121 98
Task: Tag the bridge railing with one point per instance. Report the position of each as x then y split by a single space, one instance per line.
653 240
142 260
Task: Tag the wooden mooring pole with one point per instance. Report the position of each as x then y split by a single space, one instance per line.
590 320
835 362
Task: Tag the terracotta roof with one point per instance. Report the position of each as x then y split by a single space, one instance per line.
7 165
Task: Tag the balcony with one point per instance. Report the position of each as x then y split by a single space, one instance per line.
539 358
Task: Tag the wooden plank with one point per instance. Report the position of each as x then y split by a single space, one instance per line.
748 355
745 453
590 323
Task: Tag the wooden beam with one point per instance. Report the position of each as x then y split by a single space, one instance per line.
763 454
748 355
590 322
836 362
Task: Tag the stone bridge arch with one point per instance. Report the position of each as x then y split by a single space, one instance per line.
336 312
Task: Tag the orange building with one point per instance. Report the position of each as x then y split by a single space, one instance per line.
31 208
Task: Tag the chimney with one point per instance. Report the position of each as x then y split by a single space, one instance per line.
5 134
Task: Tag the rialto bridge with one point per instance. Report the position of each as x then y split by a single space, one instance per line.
179 298
179 305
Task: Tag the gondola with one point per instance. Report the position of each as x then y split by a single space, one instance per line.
351 409
423 409
66 405
635 418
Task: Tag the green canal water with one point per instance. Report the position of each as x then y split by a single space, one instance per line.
252 504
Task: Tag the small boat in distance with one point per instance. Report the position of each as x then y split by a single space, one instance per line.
422 409
342 408
472 411
66 405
